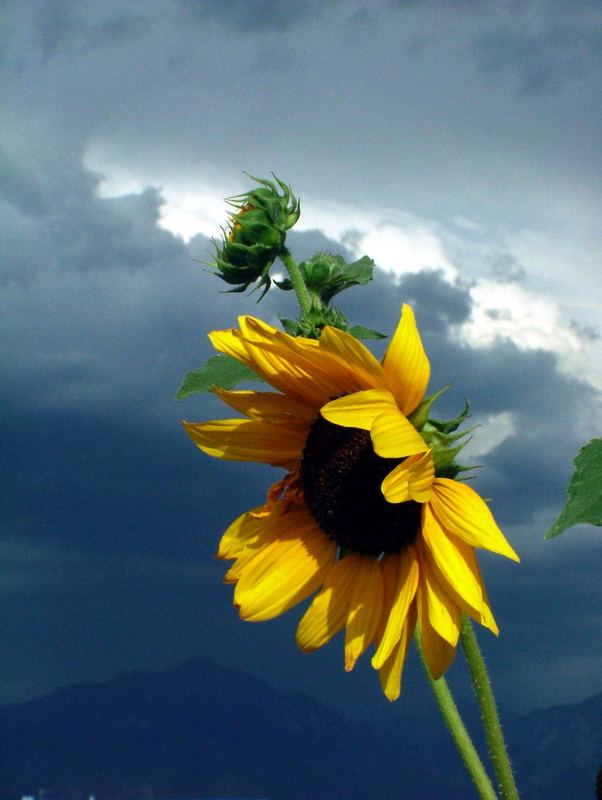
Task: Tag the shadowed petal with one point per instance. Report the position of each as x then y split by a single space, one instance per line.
244 530
268 406
443 613
248 440
391 671
365 607
407 583
328 611
269 527
438 653
284 573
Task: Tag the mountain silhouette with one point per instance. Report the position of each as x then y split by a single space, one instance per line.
201 730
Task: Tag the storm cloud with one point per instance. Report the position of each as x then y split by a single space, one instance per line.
453 130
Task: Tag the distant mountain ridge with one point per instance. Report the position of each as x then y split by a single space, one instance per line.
201 730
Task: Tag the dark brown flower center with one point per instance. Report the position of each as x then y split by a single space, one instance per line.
341 477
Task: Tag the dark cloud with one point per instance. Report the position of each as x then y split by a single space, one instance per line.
543 61
505 268
60 24
111 515
587 333
254 16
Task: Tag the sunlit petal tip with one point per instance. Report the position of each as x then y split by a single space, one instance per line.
359 409
463 513
394 436
406 366
491 625
395 486
354 354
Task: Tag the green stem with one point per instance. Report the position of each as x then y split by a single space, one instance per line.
491 720
458 731
296 277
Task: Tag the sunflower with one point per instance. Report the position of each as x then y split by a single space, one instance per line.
360 520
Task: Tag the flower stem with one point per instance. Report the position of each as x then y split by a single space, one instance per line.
296 277
457 729
489 715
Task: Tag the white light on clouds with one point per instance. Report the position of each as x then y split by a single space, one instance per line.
492 431
532 316
507 311
401 250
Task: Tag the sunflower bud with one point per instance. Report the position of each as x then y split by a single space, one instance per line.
256 234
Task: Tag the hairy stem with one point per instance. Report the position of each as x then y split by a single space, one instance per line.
457 729
489 715
296 277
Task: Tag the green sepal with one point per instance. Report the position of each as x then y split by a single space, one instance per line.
291 326
310 325
419 416
326 274
438 440
444 459
584 495
449 425
221 370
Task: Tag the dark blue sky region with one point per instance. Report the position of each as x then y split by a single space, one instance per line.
436 125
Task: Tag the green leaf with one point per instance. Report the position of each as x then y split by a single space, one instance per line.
222 371
584 495
360 272
365 333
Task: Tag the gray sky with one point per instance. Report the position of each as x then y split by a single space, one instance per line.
456 143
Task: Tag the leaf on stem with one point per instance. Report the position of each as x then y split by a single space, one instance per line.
584 496
221 370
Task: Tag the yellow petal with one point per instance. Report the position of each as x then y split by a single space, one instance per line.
328 611
284 573
486 618
256 330
455 560
391 671
438 653
389 569
365 607
395 486
244 530
247 440
461 512
322 375
410 480
360 409
354 355
443 613
268 406
393 436
231 343
406 366
407 583
258 349
275 525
